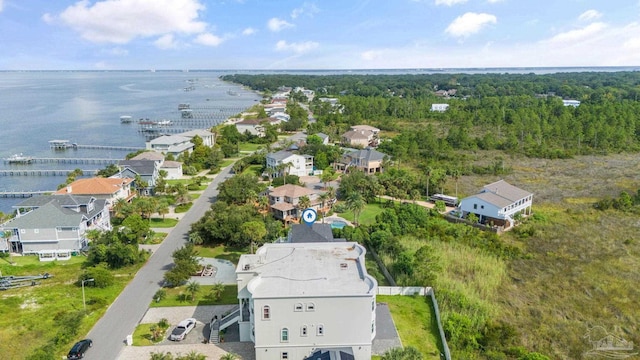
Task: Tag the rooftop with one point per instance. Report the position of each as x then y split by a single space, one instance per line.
95 186
292 191
506 190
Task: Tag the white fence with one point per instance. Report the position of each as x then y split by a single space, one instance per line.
402 290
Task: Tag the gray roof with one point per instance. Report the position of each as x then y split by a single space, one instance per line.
367 155
322 135
63 200
141 167
55 213
506 190
300 233
280 155
199 132
149 155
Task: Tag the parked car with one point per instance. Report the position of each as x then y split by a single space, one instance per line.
183 328
79 349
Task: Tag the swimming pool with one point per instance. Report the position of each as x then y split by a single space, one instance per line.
338 224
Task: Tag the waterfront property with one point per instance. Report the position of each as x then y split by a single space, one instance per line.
172 168
109 189
208 138
497 204
299 299
54 226
171 144
147 170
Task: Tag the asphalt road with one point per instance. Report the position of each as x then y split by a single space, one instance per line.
110 332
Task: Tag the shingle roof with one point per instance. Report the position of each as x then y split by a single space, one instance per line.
366 128
199 132
292 191
53 213
94 186
366 155
149 155
316 233
171 164
170 139
142 167
357 134
280 155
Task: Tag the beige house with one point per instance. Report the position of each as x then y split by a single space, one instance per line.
361 136
284 200
109 189
367 160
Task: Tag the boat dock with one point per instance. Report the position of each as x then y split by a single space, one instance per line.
24 194
97 161
44 172
66 144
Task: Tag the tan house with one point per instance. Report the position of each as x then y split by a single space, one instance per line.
361 136
109 189
367 160
284 200
172 168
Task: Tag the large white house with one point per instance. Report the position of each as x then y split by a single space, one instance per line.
498 203
300 165
171 144
299 299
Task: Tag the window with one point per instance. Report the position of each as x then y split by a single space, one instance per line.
303 330
36 231
22 231
311 307
266 312
320 330
285 355
284 335
481 206
297 307
475 206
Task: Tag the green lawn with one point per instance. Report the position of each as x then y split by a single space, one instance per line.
142 335
162 223
367 216
31 317
178 296
227 162
416 325
250 147
221 252
253 170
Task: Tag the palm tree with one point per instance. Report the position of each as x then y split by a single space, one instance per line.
216 291
331 192
228 356
355 202
323 199
263 203
161 356
192 288
163 208
192 355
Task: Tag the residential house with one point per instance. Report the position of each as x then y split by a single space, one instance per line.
171 144
284 200
147 170
439 107
497 204
251 126
208 138
300 165
304 299
55 226
324 137
361 136
172 168
109 189
574 103
367 160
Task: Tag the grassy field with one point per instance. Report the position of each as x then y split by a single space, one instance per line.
367 216
178 296
412 316
34 314
249 147
222 252
580 267
253 170
162 223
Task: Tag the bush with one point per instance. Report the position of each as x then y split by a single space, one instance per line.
101 276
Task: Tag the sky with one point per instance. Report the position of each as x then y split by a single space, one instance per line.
321 34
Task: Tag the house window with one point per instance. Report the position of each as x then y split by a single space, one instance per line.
303 330
266 312
311 307
284 335
481 206
36 231
320 330
22 231
475 206
285 355
298 307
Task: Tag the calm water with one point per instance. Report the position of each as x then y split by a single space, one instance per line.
85 108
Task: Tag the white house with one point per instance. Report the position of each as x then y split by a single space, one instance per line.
299 299
498 203
439 107
574 103
171 144
300 165
208 138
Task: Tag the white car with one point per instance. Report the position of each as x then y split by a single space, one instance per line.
183 328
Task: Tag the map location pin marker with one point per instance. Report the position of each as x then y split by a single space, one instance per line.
309 216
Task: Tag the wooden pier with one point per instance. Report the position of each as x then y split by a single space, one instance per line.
96 161
65 144
44 172
24 194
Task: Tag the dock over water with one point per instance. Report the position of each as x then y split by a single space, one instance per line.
24 194
44 172
66 144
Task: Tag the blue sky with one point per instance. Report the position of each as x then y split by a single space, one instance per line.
321 34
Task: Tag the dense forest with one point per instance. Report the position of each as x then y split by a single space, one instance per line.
515 113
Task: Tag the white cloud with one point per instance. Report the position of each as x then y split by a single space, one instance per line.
578 34
1 5
371 55
276 24
298 48
116 51
166 42
208 39
120 21
248 31
469 23
494 1
450 2
589 15
307 8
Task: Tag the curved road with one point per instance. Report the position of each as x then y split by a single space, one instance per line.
122 317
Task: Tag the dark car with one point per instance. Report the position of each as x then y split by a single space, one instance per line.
79 349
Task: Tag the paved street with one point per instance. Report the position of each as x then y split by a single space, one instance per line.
110 332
